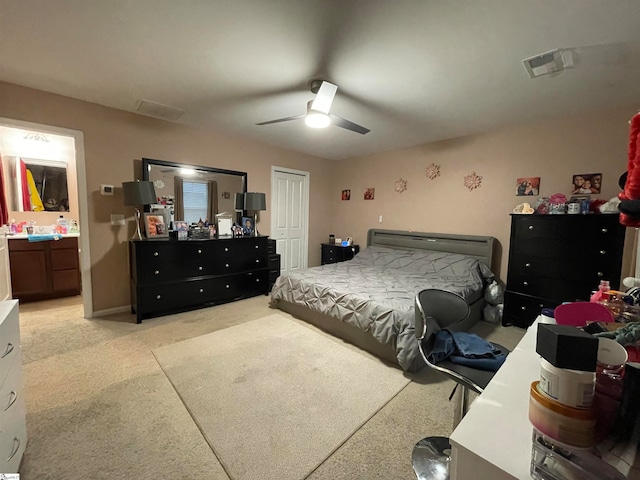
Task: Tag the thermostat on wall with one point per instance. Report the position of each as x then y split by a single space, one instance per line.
106 189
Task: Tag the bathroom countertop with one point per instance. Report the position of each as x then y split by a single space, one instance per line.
24 236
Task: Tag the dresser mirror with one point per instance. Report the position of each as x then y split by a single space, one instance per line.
191 192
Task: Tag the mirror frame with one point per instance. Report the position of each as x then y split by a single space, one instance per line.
148 162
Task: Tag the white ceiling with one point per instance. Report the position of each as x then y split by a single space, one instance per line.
413 71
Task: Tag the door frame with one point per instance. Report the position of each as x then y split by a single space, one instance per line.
305 206
83 201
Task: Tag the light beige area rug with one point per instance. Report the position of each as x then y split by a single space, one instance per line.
273 398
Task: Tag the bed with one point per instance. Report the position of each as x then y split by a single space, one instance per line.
369 300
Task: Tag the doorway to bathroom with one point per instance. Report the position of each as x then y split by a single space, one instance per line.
58 187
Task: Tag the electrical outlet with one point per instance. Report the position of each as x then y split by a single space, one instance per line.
117 219
380 219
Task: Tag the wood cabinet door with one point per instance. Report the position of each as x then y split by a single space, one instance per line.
28 273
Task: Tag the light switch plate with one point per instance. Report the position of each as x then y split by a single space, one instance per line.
117 219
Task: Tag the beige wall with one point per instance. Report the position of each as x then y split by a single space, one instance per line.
553 150
115 141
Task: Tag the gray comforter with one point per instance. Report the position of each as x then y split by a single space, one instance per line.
375 291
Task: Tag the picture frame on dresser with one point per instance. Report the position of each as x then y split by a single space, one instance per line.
182 228
154 226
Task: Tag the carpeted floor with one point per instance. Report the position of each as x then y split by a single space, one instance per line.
99 406
273 398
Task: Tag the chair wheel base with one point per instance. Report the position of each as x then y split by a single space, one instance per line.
431 458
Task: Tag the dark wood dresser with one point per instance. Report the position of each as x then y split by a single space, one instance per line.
334 253
559 258
176 275
44 270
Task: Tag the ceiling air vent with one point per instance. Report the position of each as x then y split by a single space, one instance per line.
158 110
549 62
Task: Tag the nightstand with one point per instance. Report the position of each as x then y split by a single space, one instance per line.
334 253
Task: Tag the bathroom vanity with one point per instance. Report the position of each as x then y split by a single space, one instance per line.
44 269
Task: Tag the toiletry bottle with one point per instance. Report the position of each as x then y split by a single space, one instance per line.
61 225
602 294
13 227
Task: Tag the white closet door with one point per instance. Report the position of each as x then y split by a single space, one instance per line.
290 217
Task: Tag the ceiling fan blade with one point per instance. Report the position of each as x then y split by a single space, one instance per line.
324 97
285 119
344 123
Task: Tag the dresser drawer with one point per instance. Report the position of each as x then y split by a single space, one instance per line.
11 389
238 263
593 268
521 310
563 290
13 436
567 250
567 227
176 295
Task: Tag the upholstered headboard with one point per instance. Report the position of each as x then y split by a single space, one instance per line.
472 245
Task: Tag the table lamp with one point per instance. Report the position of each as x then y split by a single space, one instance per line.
135 194
239 206
255 202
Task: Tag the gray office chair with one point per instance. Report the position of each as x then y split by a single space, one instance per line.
435 310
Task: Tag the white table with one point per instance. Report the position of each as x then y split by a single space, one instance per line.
493 440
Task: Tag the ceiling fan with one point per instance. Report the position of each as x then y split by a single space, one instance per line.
318 114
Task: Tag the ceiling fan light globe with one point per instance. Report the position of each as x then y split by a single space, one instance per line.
317 120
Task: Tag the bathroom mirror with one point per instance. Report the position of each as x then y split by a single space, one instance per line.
38 185
193 192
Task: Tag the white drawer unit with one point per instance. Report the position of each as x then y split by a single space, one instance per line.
13 430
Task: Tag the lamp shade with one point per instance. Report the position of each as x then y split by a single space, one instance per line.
254 201
239 201
138 193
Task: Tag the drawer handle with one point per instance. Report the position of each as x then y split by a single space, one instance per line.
199 268
257 280
602 252
199 251
523 308
527 265
604 230
257 260
257 246
157 272
155 254
201 290
530 227
226 265
226 249
600 274
158 297
525 283
16 447
227 285
8 350
12 399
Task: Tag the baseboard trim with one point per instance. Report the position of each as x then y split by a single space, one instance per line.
111 311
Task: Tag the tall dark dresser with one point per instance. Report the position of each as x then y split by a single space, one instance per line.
559 258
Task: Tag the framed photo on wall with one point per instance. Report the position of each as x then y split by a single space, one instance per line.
527 186
154 226
369 193
586 184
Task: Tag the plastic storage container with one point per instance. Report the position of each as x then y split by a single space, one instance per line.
552 460
573 388
573 426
